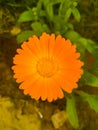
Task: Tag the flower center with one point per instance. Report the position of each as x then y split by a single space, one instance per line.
46 67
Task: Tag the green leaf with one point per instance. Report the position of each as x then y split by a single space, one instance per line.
92 100
38 28
49 10
71 112
92 47
64 6
82 41
46 28
26 16
88 44
24 35
90 79
70 26
76 14
45 2
42 13
67 14
53 2
72 35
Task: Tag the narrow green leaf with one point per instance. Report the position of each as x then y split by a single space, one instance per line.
76 14
71 112
67 14
50 12
48 8
24 35
26 16
90 79
92 100
39 5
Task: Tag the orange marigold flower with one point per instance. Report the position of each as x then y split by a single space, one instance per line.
47 66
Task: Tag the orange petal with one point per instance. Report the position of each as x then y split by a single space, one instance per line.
59 45
34 45
44 44
37 90
24 70
62 80
51 45
54 90
29 81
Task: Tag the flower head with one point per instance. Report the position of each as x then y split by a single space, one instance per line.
47 66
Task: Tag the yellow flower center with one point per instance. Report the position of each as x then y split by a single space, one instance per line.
46 67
